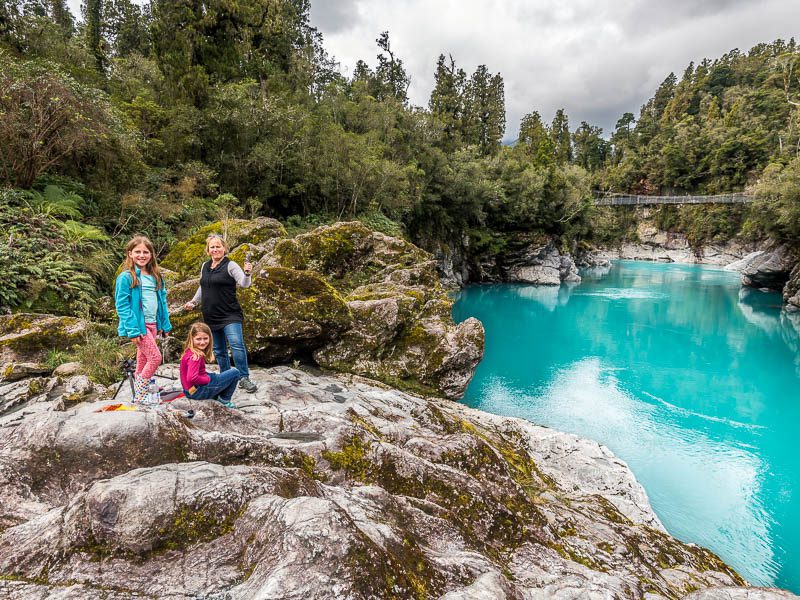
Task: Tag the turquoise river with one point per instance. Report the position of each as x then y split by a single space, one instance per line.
691 380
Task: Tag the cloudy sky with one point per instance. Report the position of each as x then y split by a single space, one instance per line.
595 58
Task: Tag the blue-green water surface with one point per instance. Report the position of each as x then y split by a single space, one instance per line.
692 381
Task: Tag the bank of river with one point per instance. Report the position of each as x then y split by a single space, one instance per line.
692 381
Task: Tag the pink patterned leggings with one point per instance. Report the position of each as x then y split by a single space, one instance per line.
148 356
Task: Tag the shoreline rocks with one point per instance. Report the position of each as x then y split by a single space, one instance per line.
326 487
712 254
523 258
771 267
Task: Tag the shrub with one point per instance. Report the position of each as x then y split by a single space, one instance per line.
49 121
100 357
43 271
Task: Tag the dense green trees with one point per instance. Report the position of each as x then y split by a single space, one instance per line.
50 122
161 117
714 130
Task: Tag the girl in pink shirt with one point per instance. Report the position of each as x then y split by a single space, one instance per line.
197 384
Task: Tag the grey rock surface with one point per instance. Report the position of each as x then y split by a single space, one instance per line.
791 291
67 369
653 250
324 487
771 269
13 371
542 265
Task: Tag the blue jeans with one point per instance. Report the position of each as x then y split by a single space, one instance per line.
221 387
230 334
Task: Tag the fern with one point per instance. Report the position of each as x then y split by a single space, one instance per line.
80 234
55 202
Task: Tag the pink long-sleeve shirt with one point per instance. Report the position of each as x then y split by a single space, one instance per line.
193 371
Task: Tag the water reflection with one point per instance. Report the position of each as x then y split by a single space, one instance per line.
754 310
692 382
549 296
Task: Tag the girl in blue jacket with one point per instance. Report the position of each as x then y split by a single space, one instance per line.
141 300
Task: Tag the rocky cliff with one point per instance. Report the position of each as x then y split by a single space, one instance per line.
521 258
323 487
666 246
775 267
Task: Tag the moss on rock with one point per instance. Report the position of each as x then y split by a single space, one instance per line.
26 337
350 254
187 256
288 310
396 326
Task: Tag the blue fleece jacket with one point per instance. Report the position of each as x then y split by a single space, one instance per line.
128 301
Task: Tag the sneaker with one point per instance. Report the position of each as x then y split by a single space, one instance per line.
247 385
229 404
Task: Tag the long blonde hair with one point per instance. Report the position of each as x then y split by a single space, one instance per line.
152 266
208 353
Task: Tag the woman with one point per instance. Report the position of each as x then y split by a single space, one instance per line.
219 278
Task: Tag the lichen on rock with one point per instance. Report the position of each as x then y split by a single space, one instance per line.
26 337
288 311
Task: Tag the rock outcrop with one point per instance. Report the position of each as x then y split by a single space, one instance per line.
542 265
26 337
655 244
357 300
791 291
526 258
320 488
770 269
676 249
187 255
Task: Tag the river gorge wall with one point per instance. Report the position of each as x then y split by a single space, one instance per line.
540 260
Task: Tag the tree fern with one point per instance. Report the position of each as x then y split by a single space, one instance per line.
55 202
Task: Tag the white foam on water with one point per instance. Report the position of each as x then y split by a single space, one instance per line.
624 294
684 412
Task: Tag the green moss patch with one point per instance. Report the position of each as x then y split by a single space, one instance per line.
188 255
292 309
30 336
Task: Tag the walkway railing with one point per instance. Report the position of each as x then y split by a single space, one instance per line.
608 198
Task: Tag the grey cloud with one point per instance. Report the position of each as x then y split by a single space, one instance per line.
332 16
653 15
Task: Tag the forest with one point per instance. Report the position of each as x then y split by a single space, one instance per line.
163 117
